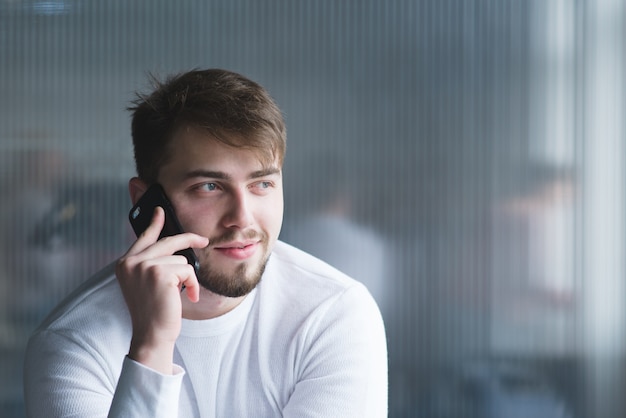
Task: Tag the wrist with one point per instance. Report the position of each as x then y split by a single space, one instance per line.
158 356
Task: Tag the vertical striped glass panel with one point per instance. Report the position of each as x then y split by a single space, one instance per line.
463 158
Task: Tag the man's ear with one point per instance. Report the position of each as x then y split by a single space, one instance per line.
136 188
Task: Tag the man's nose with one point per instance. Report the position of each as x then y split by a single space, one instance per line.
239 214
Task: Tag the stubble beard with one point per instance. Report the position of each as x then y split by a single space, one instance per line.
239 283
242 280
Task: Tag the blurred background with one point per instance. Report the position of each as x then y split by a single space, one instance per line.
463 158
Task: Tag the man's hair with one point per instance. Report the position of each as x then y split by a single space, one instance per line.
228 106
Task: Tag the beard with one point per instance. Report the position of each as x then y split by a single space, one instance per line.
243 279
241 282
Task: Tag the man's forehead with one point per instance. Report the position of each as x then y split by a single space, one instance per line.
261 143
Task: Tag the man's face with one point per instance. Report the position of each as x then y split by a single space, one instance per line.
229 196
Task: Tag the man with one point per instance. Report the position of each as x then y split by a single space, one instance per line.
264 330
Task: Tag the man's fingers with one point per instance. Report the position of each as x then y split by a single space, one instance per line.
179 270
172 269
151 257
151 234
156 224
191 287
170 245
149 243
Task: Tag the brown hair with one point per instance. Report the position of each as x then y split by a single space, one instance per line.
228 106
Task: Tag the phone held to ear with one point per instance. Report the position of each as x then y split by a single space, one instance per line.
140 217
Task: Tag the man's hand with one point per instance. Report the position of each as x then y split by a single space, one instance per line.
151 276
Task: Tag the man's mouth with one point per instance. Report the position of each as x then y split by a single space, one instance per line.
238 250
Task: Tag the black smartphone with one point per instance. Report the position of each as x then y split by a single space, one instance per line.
141 214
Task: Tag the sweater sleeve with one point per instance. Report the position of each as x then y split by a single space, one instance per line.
343 372
143 392
65 377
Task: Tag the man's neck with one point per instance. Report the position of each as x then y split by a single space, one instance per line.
209 306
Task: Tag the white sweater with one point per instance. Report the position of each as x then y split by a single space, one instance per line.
307 342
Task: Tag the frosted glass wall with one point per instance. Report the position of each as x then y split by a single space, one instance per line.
464 159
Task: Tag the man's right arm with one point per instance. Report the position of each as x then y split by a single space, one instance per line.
66 375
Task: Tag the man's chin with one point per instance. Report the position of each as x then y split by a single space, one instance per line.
229 291
232 284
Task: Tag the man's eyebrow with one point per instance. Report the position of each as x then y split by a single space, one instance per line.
220 175
269 171
208 174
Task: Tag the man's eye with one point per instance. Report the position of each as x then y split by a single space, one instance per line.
264 184
209 186
261 186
